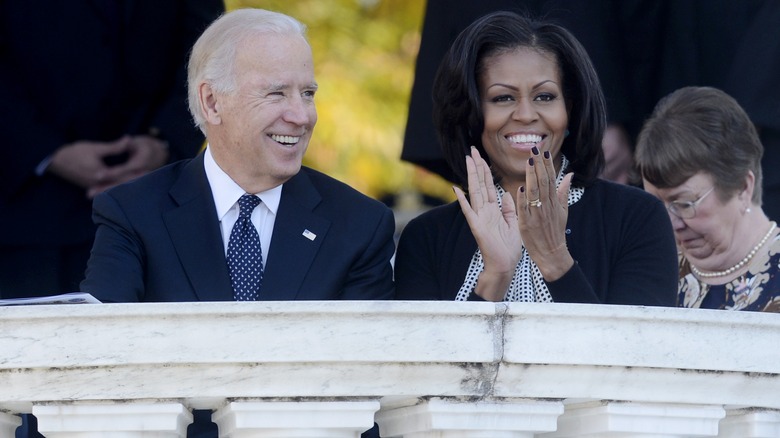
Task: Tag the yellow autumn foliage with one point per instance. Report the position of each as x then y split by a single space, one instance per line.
364 56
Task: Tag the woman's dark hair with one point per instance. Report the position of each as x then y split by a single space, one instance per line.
457 106
700 129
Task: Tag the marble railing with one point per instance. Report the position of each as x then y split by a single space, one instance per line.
419 369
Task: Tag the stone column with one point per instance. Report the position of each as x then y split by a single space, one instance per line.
452 418
293 419
750 423
101 420
9 423
605 419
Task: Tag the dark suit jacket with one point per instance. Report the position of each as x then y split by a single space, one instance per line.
159 239
78 70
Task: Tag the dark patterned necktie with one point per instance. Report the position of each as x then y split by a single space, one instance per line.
244 256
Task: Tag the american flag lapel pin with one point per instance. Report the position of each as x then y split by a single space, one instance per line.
309 235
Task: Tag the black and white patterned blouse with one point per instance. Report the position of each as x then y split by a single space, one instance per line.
527 284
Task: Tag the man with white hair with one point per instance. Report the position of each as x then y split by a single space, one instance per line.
244 220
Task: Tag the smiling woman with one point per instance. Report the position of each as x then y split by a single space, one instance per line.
520 114
517 89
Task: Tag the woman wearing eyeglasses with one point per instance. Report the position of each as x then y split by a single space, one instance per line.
700 154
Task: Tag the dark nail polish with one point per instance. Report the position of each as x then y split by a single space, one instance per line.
547 155
522 189
535 150
531 161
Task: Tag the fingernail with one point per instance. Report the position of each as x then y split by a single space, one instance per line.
531 161
522 189
535 150
547 154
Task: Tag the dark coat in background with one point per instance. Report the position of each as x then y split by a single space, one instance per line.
84 70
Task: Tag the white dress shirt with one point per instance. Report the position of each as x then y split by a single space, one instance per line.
226 193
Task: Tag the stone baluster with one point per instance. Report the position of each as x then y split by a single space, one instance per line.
9 423
295 419
453 418
100 420
750 423
606 419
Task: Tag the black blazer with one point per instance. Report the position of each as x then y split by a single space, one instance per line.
621 239
158 239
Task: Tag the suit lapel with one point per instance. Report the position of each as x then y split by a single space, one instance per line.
298 234
195 233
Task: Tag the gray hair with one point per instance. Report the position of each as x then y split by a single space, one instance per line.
700 129
213 56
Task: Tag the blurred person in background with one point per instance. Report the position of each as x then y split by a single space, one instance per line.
92 94
715 43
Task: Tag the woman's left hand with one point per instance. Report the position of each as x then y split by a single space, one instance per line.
542 213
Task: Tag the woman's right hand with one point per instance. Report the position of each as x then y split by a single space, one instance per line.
495 230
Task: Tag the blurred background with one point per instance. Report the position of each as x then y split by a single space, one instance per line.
364 57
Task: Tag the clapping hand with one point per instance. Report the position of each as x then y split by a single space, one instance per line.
496 230
539 222
542 215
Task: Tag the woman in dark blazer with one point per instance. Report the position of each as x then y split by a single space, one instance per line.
520 115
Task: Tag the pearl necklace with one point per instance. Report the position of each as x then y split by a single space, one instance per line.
741 263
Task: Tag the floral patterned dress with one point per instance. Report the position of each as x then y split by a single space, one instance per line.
757 290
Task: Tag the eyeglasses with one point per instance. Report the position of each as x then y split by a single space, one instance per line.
686 209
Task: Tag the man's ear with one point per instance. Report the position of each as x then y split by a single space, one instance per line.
209 106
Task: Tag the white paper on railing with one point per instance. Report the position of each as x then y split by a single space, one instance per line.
69 298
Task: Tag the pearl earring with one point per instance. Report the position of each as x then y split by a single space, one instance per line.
747 210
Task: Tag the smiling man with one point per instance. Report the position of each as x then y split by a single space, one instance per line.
243 220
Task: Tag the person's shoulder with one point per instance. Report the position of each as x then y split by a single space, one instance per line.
446 213
618 203
612 187
333 190
157 181
443 218
612 191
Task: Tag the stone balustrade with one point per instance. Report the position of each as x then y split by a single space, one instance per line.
419 369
